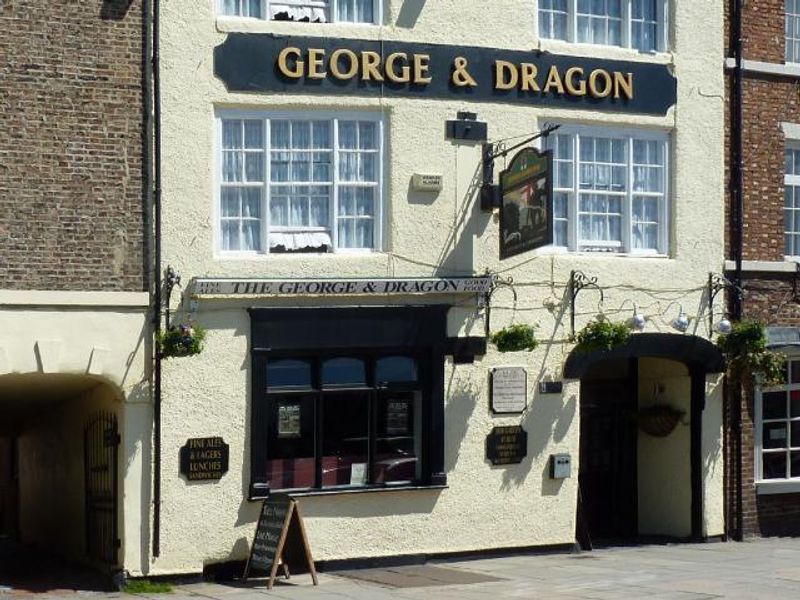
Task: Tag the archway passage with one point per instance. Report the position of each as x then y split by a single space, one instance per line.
58 482
636 481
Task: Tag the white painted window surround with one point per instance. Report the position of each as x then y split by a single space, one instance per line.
777 434
611 190
791 200
638 24
299 182
313 11
792 31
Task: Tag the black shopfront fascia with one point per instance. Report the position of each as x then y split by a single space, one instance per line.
368 332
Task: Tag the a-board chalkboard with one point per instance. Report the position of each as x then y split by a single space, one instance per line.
280 539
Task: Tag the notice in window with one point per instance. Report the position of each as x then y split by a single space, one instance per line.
289 421
397 417
358 474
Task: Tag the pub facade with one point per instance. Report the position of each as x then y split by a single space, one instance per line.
331 201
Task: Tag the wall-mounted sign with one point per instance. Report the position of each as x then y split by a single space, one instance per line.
526 210
551 387
507 445
340 287
291 64
509 390
425 182
204 459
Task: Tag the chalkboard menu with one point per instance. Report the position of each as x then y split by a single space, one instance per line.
507 445
280 540
204 459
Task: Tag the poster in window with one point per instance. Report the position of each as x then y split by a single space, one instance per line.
526 211
397 417
288 421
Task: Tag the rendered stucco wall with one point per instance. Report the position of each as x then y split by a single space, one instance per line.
426 234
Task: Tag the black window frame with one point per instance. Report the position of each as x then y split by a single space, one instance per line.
359 332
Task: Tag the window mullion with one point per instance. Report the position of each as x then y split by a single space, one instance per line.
627 217
758 433
334 8
572 34
334 209
266 194
573 199
627 23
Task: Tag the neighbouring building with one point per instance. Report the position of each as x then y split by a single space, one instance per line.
324 205
75 341
764 458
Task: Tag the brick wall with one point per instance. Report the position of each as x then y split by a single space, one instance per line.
71 141
768 101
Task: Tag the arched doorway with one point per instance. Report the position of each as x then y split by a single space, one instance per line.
635 483
59 481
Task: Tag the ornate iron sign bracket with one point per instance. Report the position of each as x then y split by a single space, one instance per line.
717 283
578 281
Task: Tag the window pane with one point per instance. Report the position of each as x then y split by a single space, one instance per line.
398 440
794 441
774 465
345 439
344 371
290 443
795 371
288 373
775 435
396 369
794 402
774 405
795 464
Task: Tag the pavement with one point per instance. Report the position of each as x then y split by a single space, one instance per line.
766 568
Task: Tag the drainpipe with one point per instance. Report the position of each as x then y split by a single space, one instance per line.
737 235
157 283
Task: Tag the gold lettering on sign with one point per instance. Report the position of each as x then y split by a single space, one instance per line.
421 66
506 75
316 63
554 81
349 56
405 71
607 86
370 66
570 82
623 82
295 72
461 76
529 74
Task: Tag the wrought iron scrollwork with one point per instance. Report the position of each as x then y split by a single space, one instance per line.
579 281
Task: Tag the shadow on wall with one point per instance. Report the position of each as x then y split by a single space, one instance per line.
114 10
409 13
367 506
462 399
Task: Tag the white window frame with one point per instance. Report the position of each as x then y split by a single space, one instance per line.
310 115
662 30
377 12
790 180
665 214
777 485
789 57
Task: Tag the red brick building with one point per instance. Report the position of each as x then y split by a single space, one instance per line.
763 460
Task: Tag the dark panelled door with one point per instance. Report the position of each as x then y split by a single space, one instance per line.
608 459
100 445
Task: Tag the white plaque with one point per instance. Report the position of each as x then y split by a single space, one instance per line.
509 390
426 182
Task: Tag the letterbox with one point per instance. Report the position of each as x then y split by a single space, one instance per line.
560 466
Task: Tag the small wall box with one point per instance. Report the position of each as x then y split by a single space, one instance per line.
560 466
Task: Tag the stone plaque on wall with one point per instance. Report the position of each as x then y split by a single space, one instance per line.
507 445
509 390
204 459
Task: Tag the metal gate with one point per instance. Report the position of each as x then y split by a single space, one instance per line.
100 444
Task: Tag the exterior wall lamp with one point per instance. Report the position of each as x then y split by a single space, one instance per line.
717 283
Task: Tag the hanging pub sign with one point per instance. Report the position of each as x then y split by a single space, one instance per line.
204 459
526 210
383 68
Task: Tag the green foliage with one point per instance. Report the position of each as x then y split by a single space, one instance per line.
602 334
745 349
181 340
144 586
515 338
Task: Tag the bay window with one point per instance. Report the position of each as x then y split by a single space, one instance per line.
291 184
310 11
610 191
639 24
777 426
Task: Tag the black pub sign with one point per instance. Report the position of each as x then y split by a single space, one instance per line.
507 445
307 65
204 459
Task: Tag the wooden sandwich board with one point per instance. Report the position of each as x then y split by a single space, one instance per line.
280 541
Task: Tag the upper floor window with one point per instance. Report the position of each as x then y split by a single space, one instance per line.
791 201
300 184
792 31
610 191
778 428
310 11
639 24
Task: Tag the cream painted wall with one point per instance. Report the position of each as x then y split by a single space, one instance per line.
427 234
665 485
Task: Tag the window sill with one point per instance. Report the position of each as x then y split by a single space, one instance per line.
778 486
606 51
350 490
231 24
561 251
